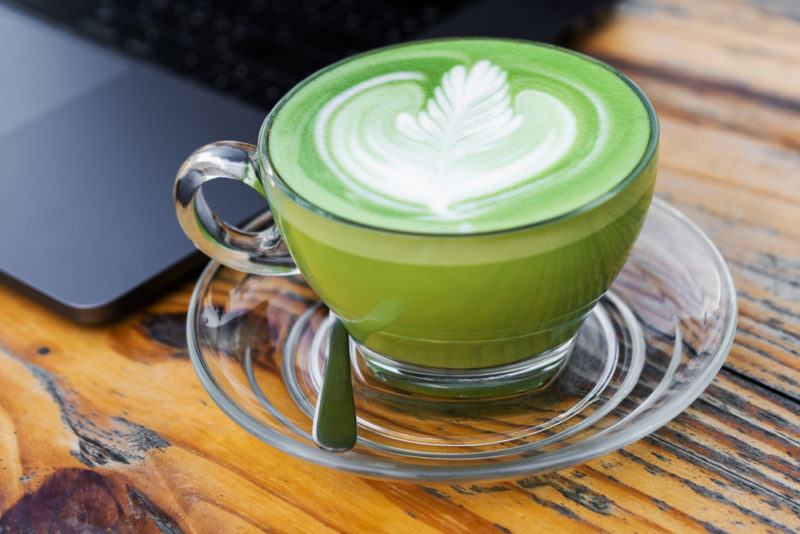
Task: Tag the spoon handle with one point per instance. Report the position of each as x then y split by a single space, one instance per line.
335 417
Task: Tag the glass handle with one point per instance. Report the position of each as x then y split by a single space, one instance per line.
262 252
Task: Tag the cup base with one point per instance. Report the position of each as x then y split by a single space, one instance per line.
481 410
528 375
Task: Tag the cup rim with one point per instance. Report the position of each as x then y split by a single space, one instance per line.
273 175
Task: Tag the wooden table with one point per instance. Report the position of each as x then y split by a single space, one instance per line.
108 427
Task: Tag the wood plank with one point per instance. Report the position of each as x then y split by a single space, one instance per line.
725 45
730 155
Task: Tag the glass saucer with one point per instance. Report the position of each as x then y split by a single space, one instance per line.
647 351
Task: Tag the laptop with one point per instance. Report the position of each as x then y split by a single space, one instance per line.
101 101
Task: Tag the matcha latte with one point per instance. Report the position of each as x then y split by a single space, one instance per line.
459 204
459 136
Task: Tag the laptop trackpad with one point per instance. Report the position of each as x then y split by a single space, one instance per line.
90 144
41 69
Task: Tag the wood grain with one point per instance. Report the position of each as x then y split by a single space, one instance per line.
728 97
107 428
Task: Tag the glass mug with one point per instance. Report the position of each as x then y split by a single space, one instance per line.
454 315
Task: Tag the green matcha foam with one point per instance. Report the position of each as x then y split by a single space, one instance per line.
459 136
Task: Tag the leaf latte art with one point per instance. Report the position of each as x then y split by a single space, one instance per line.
468 142
458 135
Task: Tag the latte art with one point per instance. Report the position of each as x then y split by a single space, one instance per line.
459 136
468 141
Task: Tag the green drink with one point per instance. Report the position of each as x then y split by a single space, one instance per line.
460 205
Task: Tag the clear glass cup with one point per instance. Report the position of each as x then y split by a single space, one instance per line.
454 315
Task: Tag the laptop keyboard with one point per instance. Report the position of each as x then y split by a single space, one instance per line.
255 50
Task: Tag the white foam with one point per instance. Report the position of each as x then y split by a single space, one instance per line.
440 156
